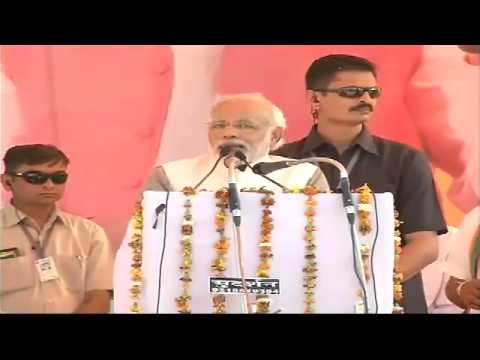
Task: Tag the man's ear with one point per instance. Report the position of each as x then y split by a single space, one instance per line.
276 138
6 182
312 98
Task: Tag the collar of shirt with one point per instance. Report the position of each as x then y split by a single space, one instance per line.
314 141
10 217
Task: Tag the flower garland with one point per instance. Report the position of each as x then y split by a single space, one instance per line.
365 227
183 301
397 276
221 247
136 274
310 269
365 254
364 209
265 245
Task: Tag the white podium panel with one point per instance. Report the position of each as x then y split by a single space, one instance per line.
337 285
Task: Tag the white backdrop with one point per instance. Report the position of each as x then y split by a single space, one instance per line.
336 284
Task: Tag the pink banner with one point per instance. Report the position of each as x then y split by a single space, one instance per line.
117 110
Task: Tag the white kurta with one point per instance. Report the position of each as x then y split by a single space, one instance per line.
188 172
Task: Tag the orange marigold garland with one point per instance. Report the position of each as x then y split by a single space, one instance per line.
219 265
136 274
265 245
365 227
364 209
310 269
397 276
183 301
364 212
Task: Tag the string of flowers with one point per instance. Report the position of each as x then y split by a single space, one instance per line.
265 245
310 268
365 227
136 274
364 209
183 301
221 247
397 276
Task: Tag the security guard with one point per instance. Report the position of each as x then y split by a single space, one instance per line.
50 261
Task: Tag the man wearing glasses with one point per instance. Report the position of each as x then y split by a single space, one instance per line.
50 261
254 125
342 94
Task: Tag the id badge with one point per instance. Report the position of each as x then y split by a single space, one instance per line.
46 269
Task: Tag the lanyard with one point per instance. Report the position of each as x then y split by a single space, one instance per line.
351 164
39 249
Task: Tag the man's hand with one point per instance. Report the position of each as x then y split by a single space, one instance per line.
464 293
95 302
470 294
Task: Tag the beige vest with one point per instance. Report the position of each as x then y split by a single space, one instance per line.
188 172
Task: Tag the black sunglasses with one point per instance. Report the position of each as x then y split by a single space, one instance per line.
354 91
39 177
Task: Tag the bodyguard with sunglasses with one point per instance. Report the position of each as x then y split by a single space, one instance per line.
50 261
342 92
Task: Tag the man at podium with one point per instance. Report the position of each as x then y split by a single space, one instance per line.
251 123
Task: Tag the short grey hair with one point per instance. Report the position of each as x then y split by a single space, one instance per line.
277 114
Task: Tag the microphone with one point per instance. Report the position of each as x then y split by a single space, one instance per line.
236 156
344 185
350 211
234 159
264 168
159 209
235 153
268 167
347 204
224 151
232 163
347 199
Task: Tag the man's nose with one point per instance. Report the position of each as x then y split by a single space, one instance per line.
48 184
230 132
366 97
365 100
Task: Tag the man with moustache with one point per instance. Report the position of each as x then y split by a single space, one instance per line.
342 91
248 122
251 123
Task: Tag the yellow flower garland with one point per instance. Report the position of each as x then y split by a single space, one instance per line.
310 268
136 274
219 265
397 276
183 301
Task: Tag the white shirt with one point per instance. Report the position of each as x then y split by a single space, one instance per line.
175 175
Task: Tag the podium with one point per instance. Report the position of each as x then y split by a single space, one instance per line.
336 285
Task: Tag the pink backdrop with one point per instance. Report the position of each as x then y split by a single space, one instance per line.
117 110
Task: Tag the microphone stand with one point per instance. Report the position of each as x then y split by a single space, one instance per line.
234 204
350 212
265 168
